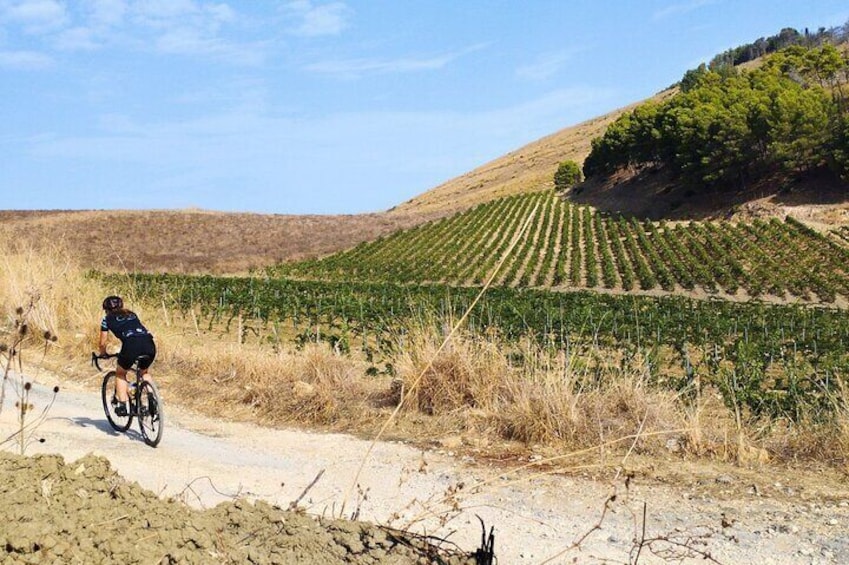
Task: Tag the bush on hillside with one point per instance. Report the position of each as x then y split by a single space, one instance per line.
568 175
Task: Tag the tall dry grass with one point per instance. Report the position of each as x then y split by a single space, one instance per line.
545 398
49 279
313 386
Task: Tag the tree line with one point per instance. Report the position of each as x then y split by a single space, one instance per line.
785 38
728 127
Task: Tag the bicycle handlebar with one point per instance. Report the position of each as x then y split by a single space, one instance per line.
95 358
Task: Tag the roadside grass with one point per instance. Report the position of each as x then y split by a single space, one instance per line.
480 393
51 279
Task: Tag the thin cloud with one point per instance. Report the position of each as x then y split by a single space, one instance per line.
362 66
546 65
681 8
34 16
185 27
356 67
191 41
107 13
25 60
314 20
78 39
166 14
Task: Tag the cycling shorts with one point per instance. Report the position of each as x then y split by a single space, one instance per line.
134 347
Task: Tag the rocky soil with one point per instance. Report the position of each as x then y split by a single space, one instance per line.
84 512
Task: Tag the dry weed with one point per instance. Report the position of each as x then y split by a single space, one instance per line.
556 403
314 386
64 299
468 373
813 438
544 399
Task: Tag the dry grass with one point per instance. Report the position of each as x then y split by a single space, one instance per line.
193 241
314 386
544 399
50 279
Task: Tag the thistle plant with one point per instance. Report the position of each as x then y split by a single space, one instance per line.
10 357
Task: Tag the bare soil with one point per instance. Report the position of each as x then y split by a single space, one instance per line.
84 512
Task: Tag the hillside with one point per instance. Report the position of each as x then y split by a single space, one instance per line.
772 133
193 241
526 169
819 199
198 241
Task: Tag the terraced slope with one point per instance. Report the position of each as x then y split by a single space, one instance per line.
558 245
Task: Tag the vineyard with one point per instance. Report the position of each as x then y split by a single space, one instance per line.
544 257
773 359
564 246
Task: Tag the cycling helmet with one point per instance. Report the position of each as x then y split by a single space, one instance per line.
112 303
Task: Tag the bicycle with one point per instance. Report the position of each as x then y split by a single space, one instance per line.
145 403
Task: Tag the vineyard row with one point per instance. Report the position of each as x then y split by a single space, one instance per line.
567 246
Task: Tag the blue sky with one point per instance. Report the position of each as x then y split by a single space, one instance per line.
328 107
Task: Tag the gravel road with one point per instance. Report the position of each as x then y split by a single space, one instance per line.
537 518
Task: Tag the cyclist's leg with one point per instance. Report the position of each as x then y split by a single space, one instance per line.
124 364
121 385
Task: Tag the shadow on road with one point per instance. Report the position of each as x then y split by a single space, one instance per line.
104 426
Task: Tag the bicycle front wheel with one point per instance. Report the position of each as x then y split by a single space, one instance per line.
110 403
151 414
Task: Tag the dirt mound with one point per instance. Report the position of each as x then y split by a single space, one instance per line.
84 512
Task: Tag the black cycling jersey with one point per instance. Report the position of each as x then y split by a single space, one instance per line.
123 325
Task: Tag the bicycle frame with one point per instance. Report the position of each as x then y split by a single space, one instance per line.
144 402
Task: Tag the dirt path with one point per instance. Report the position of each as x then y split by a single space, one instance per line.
205 462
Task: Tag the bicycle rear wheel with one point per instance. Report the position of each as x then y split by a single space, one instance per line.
151 414
110 402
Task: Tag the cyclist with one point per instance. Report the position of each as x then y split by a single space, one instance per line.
136 341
